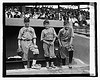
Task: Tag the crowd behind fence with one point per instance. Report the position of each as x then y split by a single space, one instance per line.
81 17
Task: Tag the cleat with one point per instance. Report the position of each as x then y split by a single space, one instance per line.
25 67
70 67
36 66
53 66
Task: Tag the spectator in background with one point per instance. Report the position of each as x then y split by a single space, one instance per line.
65 37
6 14
42 16
9 13
28 14
23 15
13 13
17 13
49 13
80 17
36 15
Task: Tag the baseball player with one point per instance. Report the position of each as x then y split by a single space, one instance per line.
26 42
48 36
65 37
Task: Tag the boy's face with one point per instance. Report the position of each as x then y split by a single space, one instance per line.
26 24
66 26
46 26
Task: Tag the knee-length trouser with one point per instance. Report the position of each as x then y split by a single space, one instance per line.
26 45
49 50
65 52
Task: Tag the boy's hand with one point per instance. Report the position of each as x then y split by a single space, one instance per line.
47 43
60 45
51 43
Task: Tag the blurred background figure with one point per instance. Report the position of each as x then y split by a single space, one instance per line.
17 14
8 13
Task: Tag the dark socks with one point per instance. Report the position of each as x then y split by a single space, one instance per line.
24 62
52 59
70 56
35 56
47 59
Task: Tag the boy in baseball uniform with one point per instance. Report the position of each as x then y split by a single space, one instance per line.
65 37
26 42
48 36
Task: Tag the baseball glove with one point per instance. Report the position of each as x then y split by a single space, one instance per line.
34 49
19 52
35 46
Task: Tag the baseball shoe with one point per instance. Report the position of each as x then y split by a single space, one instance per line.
36 66
70 66
25 66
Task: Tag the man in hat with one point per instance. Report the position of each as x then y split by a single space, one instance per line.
48 36
26 42
65 37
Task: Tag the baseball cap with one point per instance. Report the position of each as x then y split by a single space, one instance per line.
46 22
65 22
26 19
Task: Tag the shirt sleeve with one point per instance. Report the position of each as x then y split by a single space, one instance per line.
20 34
42 34
55 35
59 34
72 32
71 24
33 33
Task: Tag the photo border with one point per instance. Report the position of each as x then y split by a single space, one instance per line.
50 75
